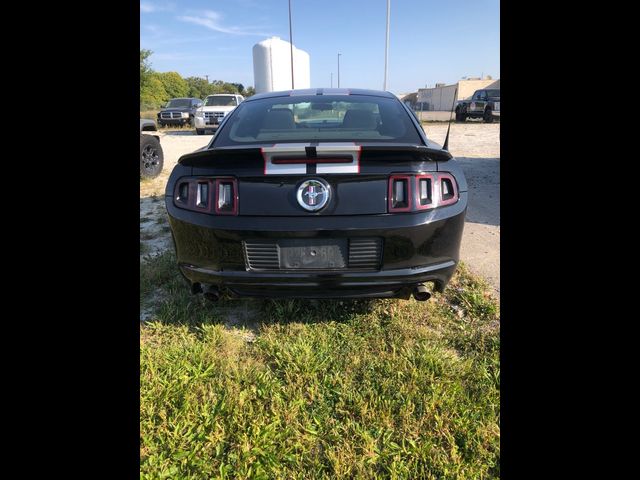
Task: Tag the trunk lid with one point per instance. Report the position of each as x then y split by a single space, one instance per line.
270 176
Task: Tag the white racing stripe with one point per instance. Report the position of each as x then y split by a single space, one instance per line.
297 151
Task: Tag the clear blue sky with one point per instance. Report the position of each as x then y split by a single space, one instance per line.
430 41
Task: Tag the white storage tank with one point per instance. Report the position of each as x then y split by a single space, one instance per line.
272 66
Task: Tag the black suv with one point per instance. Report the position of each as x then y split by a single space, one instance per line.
179 111
483 104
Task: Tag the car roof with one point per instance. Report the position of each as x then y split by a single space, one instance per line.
323 91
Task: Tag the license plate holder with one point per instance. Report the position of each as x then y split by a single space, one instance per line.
313 254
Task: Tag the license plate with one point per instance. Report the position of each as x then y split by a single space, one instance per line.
312 254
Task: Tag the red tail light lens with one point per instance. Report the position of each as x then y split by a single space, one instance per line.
400 193
208 195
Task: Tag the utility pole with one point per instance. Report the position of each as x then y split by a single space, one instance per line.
386 46
339 70
207 77
291 45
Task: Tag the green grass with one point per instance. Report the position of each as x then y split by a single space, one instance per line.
327 389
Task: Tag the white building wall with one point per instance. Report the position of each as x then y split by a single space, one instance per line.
441 98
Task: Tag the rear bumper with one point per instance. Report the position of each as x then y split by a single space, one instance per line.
416 248
383 283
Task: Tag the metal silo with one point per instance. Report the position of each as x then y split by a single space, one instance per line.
272 66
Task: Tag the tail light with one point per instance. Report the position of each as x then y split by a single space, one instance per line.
409 193
400 193
424 187
448 189
207 195
226 196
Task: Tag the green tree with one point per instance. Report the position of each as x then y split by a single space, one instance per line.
145 68
249 91
154 94
197 87
174 84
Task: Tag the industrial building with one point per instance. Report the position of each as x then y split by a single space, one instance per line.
272 66
441 97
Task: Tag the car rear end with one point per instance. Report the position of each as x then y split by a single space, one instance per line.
372 216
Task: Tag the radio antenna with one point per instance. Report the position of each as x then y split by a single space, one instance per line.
446 140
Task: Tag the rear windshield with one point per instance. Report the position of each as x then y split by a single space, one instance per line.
178 102
324 118
223 101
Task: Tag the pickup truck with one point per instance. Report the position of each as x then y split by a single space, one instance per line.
179 112
483 104
215 108
151 155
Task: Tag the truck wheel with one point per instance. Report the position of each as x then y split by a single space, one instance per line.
151 157
488 116
460 117
200 131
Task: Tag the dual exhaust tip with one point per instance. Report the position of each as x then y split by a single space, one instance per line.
421 293
212 293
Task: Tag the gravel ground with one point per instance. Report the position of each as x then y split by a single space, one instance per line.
476 145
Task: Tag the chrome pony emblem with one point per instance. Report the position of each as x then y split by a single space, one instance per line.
313 194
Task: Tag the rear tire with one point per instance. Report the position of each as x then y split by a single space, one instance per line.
460 117
200 131
488 116
151 157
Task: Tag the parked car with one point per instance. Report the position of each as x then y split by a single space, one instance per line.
483 104
179 112
215 108
151 155
318 193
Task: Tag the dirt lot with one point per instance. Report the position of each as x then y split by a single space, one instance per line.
475 145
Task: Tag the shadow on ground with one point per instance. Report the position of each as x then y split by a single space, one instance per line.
483 178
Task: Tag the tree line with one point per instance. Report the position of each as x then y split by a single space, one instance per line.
156 88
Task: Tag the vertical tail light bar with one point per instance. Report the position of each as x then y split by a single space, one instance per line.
447 189
424 190
203 195
400 193
226 196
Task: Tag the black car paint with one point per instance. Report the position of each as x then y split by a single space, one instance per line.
191 110
417 246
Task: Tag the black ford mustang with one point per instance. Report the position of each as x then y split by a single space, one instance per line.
318 193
